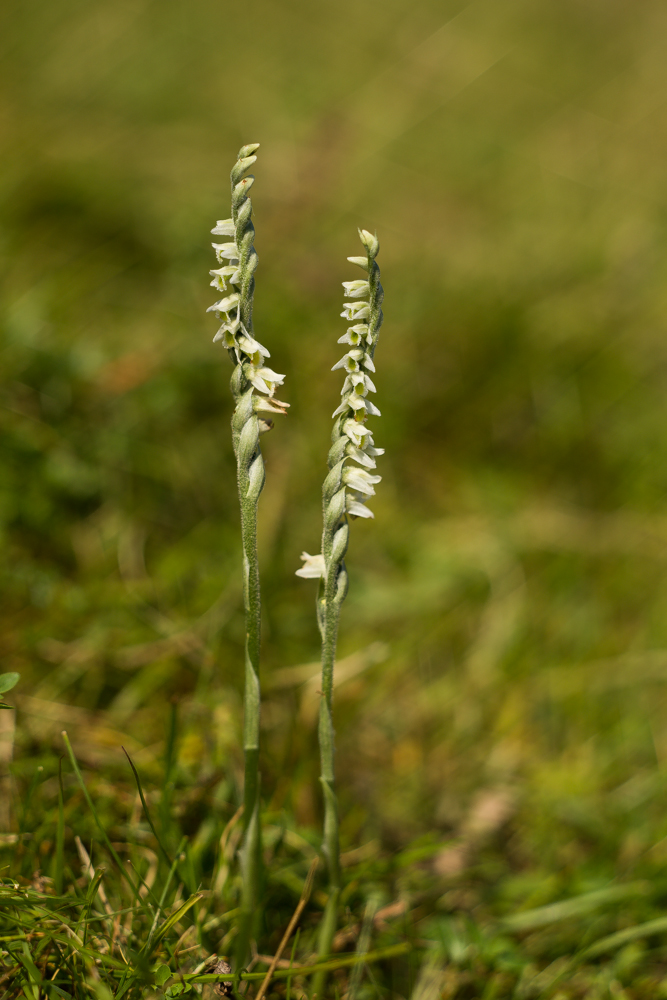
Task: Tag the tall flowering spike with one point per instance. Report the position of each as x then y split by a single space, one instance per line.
346 491
235 279
253 386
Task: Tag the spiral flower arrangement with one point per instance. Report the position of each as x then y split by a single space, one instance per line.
347 488
253 385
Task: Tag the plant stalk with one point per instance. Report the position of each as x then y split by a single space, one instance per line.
251 846
332 592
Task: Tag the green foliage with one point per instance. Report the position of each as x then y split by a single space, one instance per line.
7 682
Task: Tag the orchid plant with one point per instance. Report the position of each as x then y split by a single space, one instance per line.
253 386
346 491
347 488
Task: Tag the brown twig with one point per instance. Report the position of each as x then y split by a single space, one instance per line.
305 896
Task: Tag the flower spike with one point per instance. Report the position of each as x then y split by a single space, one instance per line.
253 386
345 492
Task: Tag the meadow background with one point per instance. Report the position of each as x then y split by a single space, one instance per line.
502 704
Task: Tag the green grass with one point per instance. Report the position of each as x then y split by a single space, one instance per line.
502 750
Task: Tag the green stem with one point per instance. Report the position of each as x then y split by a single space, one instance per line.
329 602
251 847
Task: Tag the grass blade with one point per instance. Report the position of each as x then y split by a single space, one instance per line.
93 810
145 807
174 918
613 941
59 861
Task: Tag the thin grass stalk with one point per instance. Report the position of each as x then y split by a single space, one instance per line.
252 386
345 492
59 866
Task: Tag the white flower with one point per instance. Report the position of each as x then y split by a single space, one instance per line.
351 337
357 509
313 567
264 379
226 251
360 480
225 305
356 289
355 310
224 227
219 277
253 348
351 402
262 404
360 455
231 326
226 336
360 261
348 362
355 431
371 450
359 382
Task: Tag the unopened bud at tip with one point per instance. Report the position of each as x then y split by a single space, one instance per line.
370 241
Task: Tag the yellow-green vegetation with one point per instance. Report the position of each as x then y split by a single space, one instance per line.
500 703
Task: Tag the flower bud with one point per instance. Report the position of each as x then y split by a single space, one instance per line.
241 166
256 477
339 544
245 405
337 450
333 481
334 510
342 582
248 440
370 241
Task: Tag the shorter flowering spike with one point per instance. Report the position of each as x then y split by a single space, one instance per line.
344 494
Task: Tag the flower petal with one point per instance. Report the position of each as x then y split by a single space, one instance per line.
355 431
224 305
226 250
359 455
357 509
313 567
224 227
356 289
262 404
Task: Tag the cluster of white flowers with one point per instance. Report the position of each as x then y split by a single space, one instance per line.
238 260
348 487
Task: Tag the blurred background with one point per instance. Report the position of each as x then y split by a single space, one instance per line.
501 697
